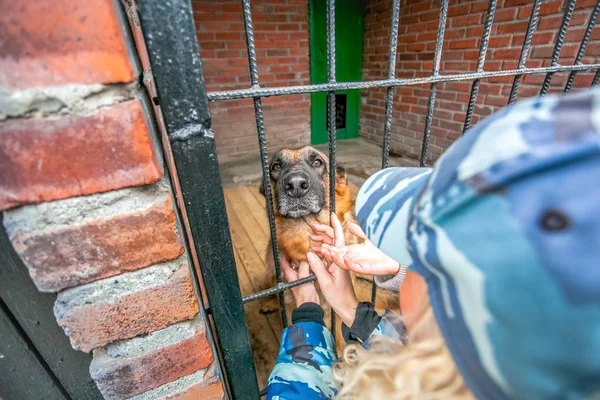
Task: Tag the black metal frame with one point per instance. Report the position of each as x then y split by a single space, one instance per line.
169 31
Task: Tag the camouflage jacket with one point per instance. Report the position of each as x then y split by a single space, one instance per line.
306 357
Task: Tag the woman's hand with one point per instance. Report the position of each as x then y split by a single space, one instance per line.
335 282
305 293
364 258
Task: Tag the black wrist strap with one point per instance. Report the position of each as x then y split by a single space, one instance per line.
308 312
365 321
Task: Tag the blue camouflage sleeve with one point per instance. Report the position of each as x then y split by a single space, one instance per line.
304 364
306 356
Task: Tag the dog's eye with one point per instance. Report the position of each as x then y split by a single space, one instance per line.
317 163
276 167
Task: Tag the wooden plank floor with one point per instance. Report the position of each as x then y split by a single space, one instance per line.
250 235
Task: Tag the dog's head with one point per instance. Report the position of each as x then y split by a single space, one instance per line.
300 181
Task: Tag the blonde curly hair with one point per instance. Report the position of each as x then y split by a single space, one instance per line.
423 369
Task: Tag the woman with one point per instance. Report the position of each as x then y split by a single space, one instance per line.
505 230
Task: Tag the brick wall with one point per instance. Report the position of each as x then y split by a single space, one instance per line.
282 50
416 44
87 203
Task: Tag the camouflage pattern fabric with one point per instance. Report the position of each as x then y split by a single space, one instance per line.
506 231
306 357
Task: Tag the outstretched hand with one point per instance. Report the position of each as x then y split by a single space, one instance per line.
305 293
364 258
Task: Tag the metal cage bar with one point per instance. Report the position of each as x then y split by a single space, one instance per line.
584 42
596 77
435 73
264 155
170 34
535 12
332 114
183 99
389 102
485 39
560 39
327 87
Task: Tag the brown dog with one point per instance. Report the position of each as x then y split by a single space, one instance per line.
300 191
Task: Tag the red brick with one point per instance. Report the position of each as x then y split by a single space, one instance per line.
211 389
44 159
75 241
463 44
49 43
508 14
129 305
128 368
468 20
513 27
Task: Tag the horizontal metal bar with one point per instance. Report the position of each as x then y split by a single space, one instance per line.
258 91
278 289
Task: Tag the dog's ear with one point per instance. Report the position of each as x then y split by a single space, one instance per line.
261 188
340 175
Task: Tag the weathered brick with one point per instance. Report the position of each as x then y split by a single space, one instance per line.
49 43
74 241
52 158
126 306
199 385
128 368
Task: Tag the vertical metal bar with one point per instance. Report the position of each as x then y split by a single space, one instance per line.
485 39
389 102
331 120
436 72
170 36
596 77
264 155
389 98
559 42
535 12
583 45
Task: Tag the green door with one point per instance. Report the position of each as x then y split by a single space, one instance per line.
349 18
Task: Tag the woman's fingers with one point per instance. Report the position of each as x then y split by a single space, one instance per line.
353 265
288 272
321 238
342 249
303 270
325 229
317 266
357 231
338 231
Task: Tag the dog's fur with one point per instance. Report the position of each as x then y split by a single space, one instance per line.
295 215
293 226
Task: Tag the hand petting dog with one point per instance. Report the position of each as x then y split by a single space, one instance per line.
363 258
335 282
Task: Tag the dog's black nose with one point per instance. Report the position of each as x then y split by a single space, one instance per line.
296 185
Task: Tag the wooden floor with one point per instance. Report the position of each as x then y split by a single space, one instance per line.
250 235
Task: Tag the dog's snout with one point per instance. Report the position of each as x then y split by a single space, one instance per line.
296 185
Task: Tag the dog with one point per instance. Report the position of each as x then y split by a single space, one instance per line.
300 190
